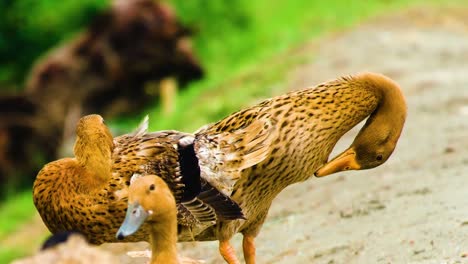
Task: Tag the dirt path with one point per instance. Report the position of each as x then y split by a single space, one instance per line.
413 209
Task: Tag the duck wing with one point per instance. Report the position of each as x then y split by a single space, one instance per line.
205 210
148 153
170 155
234 144
221 204
200 198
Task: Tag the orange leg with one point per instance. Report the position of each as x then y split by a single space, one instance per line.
227 251
248 245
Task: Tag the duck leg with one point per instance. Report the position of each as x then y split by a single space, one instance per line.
248 245
227 251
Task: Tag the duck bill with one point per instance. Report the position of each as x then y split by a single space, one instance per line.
134 218
344 161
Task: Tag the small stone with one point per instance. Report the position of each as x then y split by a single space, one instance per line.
449 150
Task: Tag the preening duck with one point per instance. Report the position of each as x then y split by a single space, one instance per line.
294 135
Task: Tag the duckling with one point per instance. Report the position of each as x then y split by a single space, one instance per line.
87 193
150 200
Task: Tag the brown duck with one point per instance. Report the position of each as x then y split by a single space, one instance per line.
150 200
255 153
88 193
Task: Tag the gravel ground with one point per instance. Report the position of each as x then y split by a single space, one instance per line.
414 208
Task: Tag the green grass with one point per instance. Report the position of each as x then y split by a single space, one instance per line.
15 212
8 253
243 66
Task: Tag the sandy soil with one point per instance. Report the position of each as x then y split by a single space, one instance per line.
414 208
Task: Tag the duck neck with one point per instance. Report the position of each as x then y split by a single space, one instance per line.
163 240
388 116
96 158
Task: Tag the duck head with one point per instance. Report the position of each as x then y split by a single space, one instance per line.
149 200
374 143
359 156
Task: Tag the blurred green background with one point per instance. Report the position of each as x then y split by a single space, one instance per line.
246 47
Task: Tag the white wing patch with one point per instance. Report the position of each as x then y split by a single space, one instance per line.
223 156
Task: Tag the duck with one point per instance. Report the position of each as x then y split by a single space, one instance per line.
88 193
150 200
251 155
293 135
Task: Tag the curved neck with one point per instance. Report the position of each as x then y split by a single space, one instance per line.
96 158
388 117
163 240
381 99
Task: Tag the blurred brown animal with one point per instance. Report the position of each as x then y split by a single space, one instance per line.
101 70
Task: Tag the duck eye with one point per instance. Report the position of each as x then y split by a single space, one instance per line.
379 157
151 187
